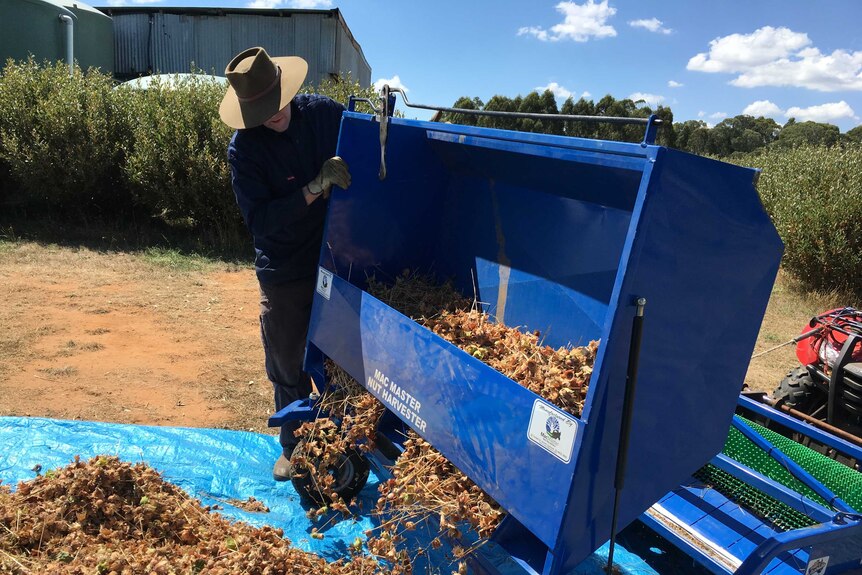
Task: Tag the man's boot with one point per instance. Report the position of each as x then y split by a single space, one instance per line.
282 470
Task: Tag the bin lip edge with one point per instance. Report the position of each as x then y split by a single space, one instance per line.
572 142
475 361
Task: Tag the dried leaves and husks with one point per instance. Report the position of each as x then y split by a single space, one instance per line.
425 484
109 517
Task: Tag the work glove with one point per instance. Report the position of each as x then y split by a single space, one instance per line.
334 171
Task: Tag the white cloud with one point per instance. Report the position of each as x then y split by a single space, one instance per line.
763 108
780 57
718 116
559 91
822 113
264 4
744 51
562 93
674 84
394 82
536 31
652 100
581 22
651 24
840 70
701 114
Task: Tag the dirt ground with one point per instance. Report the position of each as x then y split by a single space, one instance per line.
123 338
789 310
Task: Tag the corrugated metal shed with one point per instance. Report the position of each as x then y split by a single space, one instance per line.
172 40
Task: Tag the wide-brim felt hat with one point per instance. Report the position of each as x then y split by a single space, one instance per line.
259 86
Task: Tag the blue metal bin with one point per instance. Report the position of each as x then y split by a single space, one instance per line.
559 235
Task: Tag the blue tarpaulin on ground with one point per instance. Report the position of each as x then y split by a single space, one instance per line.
215 466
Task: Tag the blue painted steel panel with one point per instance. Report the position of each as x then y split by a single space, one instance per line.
690 505
722 530
704 254
717 520
845 554
747 525
788 563
491 446
738 532
839 540
560 235
398 227
795 562
699 555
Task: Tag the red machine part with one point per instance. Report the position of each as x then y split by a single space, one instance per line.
822 339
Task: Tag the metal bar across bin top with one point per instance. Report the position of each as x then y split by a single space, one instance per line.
387 103
525 115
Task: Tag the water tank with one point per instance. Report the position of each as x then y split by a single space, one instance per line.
34 27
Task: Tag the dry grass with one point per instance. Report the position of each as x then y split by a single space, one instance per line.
790 308
66 371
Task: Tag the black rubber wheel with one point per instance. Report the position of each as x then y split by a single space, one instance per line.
350 474
798 391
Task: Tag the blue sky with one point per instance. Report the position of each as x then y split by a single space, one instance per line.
706 60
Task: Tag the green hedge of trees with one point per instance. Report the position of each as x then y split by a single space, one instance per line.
744 134
78 147
814 196
731 137
81 148
546 103
63 139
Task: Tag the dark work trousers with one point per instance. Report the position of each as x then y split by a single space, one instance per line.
285 310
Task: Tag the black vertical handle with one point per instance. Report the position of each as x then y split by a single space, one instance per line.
629 398
626 425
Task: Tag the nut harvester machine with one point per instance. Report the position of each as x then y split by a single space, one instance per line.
668 259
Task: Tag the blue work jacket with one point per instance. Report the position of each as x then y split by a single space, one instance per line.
268 171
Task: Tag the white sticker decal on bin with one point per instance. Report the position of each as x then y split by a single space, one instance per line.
324 282
817 566
553 430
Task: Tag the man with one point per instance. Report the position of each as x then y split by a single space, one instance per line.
283 165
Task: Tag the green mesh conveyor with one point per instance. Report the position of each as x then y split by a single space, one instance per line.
840 479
